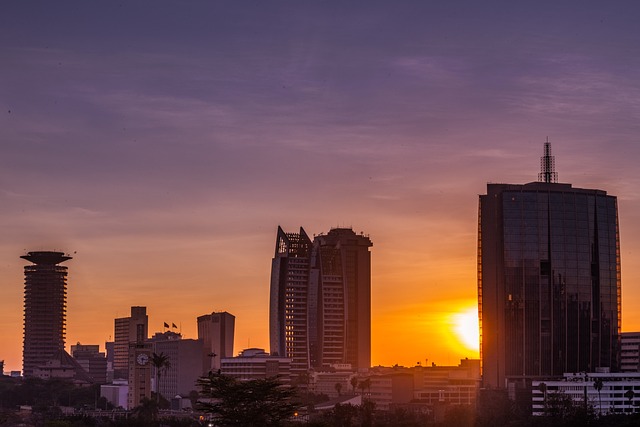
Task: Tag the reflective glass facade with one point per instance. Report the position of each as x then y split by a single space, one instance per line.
548 281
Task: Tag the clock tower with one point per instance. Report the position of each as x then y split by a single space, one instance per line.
139 370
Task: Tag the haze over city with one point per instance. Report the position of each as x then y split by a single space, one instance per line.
161 145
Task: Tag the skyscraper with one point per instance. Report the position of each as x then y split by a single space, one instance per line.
216 331
548 280
288 307
45 304
320 307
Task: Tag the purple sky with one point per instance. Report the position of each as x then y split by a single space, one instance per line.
164 142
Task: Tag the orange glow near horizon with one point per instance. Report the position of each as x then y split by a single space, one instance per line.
466 328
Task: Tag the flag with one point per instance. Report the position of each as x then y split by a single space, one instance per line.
173 325
166 325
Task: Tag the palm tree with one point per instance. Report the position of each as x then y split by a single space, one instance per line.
147 412
161 363
597 384
365 384
629 395
338 388
543 388
354 383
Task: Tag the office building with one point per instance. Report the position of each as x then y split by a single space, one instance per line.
288 306
185 357
548 280
45 304
324 381
128 330
255 363
630 352
109 350
342 266
438 386
216 332
448 385
391 390
116 393
320 300
63 366
618 395
92 361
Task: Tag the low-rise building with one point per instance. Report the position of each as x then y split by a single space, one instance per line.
62 366
92 361
630 352
255 363
452 385
618 393
389 390
116 393
333 381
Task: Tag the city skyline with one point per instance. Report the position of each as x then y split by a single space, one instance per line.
160 147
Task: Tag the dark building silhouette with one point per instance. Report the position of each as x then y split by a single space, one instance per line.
320 307
216 330
92 361
548 280
45 301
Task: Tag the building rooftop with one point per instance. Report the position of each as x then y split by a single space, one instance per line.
46 257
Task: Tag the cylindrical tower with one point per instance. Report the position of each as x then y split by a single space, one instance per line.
45 302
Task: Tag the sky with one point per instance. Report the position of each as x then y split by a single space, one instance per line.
162 143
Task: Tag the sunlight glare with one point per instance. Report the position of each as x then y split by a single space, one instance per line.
466 328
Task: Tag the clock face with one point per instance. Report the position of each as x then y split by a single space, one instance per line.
142 359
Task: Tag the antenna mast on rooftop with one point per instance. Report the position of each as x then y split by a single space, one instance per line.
548 165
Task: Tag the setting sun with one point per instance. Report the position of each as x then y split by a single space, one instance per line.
466 328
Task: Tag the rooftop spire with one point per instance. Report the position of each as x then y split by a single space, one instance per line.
547 165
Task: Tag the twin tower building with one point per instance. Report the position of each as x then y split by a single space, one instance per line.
320 302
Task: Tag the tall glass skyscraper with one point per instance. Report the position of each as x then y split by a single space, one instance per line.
548 280
320 306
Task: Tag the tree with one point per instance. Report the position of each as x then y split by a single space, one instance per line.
598 384
629 395
354 383
147 412
161 363
259 402
365 384
338 387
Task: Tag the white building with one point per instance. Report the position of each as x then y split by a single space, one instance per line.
116 393
620 392
324 382
255 363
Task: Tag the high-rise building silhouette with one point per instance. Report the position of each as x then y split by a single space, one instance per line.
216 330
127 330
548 280
320 304
45 302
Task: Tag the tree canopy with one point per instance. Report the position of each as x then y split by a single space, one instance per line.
259 402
